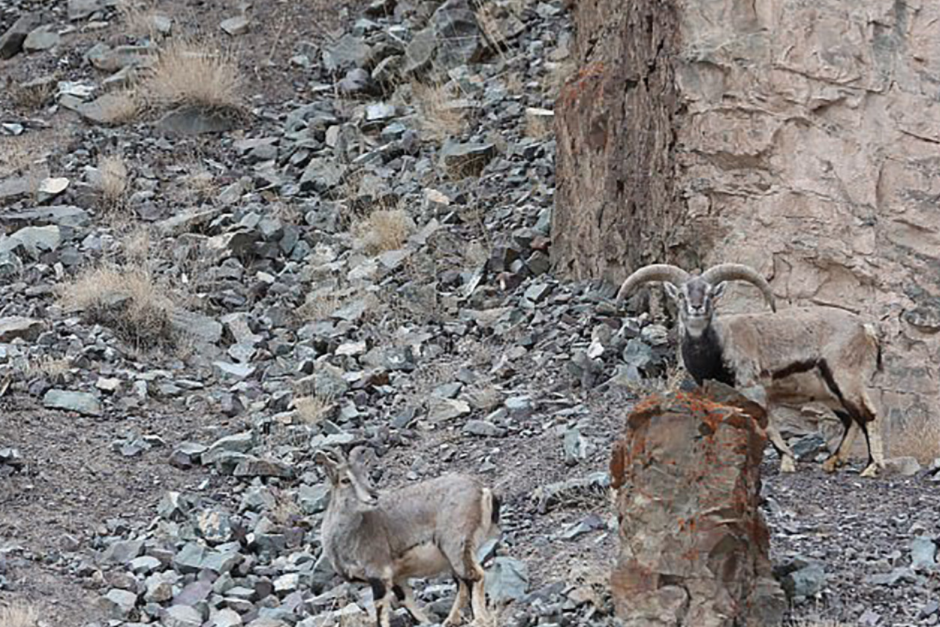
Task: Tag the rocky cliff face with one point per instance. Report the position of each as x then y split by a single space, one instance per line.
801 137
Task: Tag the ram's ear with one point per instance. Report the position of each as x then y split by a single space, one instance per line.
329 461
672 290
718 291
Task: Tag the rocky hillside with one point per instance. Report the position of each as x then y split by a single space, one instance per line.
235 234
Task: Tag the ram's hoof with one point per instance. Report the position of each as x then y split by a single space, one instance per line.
871 471
831 465
787 465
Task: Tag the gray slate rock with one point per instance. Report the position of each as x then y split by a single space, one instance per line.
466 159
119 604
321 175
348 52
182 616
506 580
80 402
194 120
43 38
80 9
11 42
903 466
483 429
923 554
19 327
33 240
459 38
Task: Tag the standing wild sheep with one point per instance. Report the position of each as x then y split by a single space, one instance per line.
803 355
420 530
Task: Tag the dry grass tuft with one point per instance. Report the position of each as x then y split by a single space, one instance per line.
439 117
384 230
19 615
128 300
19 154
194 72
139 18
539 123
123 107
919 439
35 96
51 367
312 410
318 305
113 181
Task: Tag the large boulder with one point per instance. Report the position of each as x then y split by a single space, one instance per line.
693 544
797 137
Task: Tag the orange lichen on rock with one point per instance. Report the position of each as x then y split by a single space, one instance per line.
687 475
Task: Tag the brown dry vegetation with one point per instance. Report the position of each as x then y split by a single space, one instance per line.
194 72
113 181
383 230
920 440
312 410
138 17
32 97
123 107
128 300
19 154
19 615
438 118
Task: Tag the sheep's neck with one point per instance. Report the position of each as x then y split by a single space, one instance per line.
704 359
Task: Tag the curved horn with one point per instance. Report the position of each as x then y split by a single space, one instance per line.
655 272
740 272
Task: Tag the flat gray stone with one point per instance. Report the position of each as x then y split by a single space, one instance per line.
182 616
11 42
19 327
43 38
506 580
466 159
79 402
33 240
235 26
193 120
118 604
196 326
80 9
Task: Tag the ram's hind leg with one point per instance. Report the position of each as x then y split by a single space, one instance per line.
841 455
872 429
481 615
453 618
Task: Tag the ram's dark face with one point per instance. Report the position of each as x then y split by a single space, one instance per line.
696 300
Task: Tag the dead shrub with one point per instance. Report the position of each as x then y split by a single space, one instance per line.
122 107
47 366
139 18
920 439
439 117
193 72
19 154
34 95
383 230
19 615
127 300
112 181
314 409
